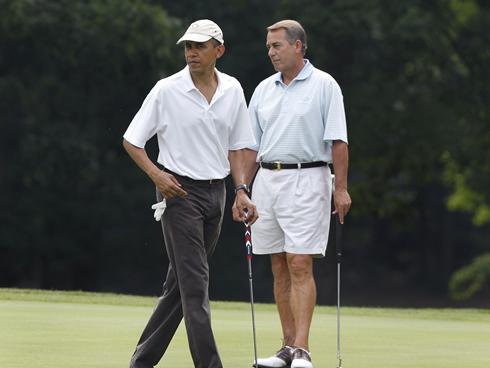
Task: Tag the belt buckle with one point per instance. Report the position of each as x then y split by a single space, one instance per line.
278 166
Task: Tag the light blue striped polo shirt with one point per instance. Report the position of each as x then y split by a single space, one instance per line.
298 122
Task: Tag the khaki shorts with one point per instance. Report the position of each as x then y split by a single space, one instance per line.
294 211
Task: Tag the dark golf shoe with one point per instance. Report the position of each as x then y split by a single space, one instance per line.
301 359
282 358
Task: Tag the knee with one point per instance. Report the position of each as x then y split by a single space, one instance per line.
279 265
300 267
280 270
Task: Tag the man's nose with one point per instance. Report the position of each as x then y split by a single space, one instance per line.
191 50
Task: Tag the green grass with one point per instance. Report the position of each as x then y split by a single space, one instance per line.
48 329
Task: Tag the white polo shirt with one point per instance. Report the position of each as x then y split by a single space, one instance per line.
298 122
194 137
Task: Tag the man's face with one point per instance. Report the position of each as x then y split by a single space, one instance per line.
201 56
283 55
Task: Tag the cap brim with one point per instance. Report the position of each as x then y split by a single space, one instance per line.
194 37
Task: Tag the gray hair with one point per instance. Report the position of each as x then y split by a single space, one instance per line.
294 32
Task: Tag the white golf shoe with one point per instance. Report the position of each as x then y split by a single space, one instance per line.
282 358
301 359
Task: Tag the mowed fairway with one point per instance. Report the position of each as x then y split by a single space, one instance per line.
43 329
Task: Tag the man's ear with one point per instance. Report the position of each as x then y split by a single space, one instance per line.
220 50
298 46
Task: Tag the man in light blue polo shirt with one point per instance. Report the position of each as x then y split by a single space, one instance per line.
299 125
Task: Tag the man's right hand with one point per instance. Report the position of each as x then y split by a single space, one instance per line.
168 185
165 182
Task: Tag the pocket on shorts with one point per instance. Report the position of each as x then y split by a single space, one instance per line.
319 185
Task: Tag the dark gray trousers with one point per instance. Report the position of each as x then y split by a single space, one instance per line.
191 227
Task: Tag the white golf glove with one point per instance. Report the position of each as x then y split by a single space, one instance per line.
159 209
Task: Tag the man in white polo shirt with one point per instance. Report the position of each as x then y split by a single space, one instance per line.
201 121
299 124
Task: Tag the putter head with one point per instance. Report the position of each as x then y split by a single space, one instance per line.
340 363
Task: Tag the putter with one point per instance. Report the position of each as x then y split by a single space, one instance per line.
248 245
338 251
338 248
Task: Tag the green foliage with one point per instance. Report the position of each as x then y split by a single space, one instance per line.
467 281
75 209
467 166
463 198
465 10
73 75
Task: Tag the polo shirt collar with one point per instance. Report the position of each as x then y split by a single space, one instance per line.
189 84
302 75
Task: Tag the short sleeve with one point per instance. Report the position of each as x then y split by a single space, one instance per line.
145 122
334 114
241 135
254 120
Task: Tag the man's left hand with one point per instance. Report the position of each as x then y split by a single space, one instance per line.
342 203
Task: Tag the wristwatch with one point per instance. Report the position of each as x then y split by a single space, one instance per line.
242 187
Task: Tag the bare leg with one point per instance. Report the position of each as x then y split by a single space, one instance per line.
282 296
303 296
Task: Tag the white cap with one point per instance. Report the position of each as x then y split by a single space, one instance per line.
202 31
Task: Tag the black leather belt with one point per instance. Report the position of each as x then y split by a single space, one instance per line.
299 165
196 181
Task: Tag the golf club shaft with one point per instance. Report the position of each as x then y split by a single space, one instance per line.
248 244
338 248
252 308
338 251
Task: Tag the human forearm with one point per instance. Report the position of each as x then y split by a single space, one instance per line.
342 200
140 157
166 183
340 155
243 165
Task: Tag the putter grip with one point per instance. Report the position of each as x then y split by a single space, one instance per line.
248 240
338 238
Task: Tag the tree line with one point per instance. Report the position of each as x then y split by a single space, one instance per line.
76 211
